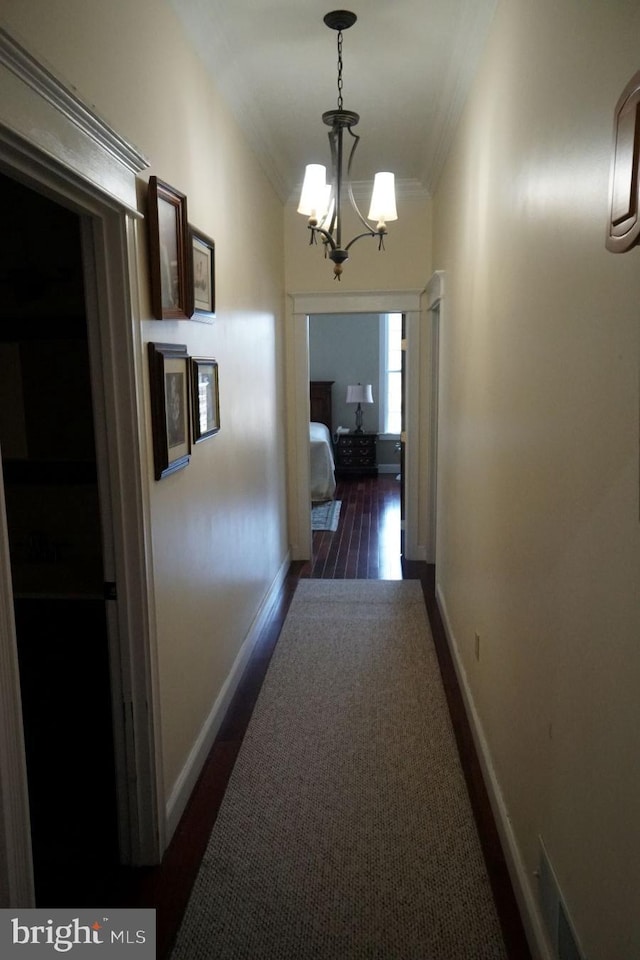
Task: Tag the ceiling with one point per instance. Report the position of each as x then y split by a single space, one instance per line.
408 66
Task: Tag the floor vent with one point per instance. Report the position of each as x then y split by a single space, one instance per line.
560 930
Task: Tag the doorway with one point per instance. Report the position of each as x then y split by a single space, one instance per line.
55 519
362 348
416 413
59 147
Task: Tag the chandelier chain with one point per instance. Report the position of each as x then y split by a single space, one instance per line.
340 70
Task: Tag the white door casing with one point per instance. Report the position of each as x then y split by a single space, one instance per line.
301 306
50 141
435 306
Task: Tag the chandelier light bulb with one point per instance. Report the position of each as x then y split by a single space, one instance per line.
313 197
383 199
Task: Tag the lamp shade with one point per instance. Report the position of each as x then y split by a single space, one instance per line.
383 198
359 393
314 198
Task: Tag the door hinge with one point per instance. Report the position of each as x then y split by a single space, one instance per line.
109 590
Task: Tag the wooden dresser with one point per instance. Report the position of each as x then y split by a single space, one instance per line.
356 454
320 402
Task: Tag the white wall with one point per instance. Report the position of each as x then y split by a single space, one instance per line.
538 524
218 526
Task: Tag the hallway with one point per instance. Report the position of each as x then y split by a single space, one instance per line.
367 538
503 239
346 831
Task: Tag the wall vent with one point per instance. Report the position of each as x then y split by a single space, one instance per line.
560 931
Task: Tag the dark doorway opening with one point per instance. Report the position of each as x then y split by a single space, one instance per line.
55 539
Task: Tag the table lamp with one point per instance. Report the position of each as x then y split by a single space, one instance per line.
359 393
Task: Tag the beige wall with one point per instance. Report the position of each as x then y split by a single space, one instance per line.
538 521
218 527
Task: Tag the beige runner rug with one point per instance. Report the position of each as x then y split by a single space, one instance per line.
346 831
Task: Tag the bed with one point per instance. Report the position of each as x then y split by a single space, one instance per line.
323 479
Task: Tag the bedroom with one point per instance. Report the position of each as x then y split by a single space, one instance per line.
344 350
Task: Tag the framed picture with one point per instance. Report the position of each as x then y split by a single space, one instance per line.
203 276
169 264
169 382
205 401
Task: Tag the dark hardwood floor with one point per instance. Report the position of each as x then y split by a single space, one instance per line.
366 545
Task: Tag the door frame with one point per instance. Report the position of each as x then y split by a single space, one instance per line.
53 143
301 306
435 305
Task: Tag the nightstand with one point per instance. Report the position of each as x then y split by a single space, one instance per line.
356 454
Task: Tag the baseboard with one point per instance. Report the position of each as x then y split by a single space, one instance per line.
416 551
189 774
524 891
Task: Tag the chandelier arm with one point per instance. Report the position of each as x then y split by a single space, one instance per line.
337 183
369 233
335 213
327 238
352 200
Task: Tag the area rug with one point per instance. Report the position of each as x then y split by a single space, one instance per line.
346 831
325 516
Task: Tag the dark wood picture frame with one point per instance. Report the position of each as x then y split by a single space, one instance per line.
203 275
205 398
170 420
169 252
623 225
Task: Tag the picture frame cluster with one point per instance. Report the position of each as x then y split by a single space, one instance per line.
184 390
181 258
185 404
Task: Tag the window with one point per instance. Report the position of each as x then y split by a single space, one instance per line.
390 373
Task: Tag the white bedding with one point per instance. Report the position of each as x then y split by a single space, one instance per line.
323 480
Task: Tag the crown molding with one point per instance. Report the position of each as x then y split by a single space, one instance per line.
456 86
40 80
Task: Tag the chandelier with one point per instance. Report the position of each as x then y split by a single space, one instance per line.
321 201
